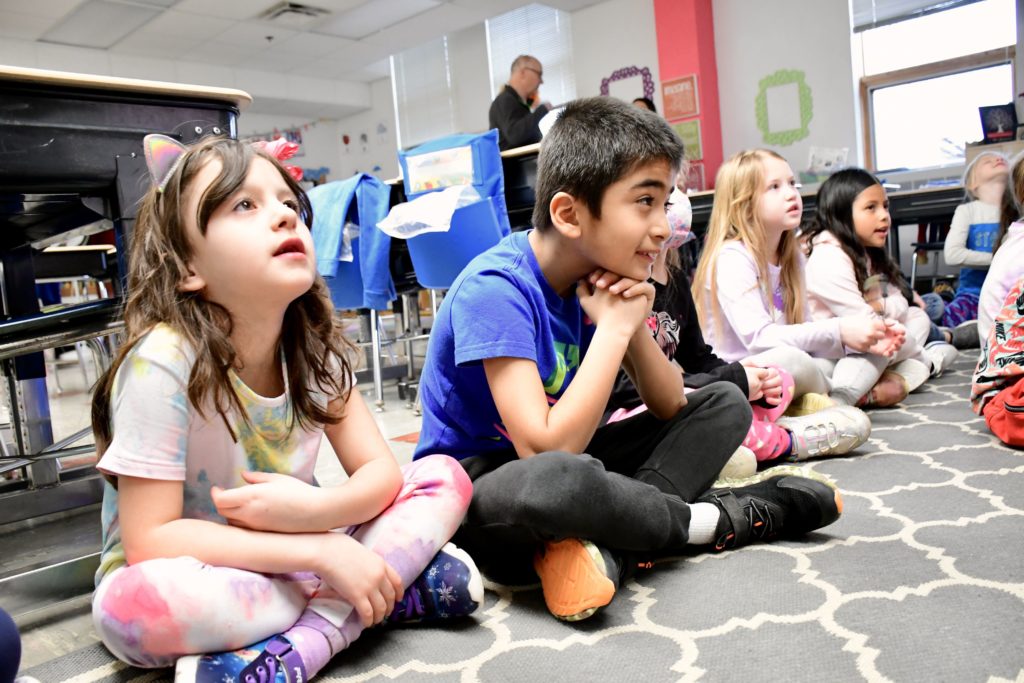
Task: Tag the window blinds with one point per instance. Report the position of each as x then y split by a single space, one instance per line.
537 30
422 84
874 13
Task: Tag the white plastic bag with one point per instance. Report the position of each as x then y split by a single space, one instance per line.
431 212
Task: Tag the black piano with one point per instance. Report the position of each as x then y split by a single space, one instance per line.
71 164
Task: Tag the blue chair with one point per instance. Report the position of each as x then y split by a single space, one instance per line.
439 257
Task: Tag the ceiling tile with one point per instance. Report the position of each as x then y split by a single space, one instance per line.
312 44
175 23
374 16
424 27
222 54
99 24
239 10
24 26
50 8
155 45
269 60
254 34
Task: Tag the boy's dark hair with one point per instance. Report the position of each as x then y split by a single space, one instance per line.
834 214
595 142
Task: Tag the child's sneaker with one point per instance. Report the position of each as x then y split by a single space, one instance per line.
965 335
833 431
577 577
808 404
776 505
270 661
740 465
449 587
941 355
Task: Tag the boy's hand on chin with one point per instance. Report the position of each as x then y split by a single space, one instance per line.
608 298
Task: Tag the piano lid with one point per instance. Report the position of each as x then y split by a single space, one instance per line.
239 98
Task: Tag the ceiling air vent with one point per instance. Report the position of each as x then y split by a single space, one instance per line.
292 14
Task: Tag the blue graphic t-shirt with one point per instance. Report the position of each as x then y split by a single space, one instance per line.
980 237
500 306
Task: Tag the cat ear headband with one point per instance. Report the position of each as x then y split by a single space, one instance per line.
163 154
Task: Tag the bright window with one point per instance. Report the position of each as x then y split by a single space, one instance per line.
422 84
926 123
542 32
925 79
961 31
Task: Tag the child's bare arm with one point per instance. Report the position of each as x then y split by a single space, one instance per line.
150 511
533 425
278 502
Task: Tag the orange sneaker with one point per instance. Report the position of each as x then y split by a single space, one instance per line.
577 578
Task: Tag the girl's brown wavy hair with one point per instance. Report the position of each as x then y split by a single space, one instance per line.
316 353
738 188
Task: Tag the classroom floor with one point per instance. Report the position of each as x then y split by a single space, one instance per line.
921 579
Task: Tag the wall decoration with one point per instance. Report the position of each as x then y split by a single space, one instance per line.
689 133
345 139
694 180
630 72
778 94
679 98
290 133
382 132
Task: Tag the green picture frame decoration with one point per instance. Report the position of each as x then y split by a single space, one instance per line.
784 77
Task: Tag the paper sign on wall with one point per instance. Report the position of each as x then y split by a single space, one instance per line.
679 97
689 133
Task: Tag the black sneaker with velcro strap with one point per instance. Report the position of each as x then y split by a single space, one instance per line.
784 506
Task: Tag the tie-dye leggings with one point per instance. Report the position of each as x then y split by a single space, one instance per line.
151 613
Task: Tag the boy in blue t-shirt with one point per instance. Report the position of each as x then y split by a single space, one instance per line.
522 360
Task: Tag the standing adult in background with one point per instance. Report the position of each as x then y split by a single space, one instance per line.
517 109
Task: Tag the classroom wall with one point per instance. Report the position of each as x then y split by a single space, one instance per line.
754 40
610 36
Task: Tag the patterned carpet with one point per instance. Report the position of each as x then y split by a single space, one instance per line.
921 579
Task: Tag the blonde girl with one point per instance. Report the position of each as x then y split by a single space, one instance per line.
751 297
216 537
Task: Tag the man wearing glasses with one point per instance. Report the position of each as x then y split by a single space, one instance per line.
517 109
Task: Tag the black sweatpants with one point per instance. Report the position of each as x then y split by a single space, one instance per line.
629 492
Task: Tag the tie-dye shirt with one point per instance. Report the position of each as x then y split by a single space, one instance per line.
158 434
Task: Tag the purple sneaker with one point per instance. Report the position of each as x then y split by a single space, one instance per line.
450 586
270 661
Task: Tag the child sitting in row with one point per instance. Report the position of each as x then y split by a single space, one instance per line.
997 392
1007 255
770 389
216 537
849 272
521 363
971 238
750 294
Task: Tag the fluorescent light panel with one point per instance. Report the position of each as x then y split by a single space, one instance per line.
99 24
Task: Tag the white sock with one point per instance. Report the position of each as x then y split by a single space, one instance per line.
703 521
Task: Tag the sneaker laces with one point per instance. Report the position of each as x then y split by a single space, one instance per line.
410 606
264 672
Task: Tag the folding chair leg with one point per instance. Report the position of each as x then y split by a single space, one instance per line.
378 379
913 268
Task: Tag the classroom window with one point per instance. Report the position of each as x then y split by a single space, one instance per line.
925 78
422 84
537 30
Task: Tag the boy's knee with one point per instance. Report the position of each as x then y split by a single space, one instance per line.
547 486
729 400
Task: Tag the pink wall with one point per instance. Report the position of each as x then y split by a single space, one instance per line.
686 45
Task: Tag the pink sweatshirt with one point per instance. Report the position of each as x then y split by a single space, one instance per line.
832 289
744 323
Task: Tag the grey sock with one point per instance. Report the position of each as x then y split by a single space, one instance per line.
703 522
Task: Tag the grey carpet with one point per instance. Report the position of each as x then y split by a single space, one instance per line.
921 579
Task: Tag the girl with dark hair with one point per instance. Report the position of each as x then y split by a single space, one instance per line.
849 271
645 103
216 537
